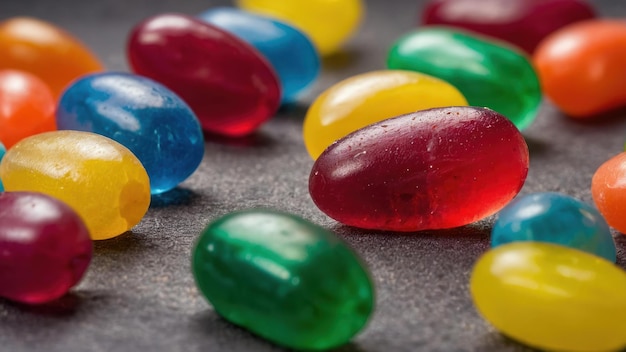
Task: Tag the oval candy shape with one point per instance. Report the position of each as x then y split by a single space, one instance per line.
142 115
46 51
283 278
523 23
369 98
609 191
99 178
291 53
581 67
552 297
488 73
226 82
45 247
27 106
340 18
554 218
432 169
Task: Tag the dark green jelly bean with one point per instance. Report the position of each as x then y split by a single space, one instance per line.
488 72
283 278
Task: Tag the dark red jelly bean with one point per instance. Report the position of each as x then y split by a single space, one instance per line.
432 169
226 82
45 247
521 22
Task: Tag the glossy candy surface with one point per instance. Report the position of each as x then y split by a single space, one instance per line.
328 23
45 247
523 23
46 51
291 53
582 67
433 169
141 114
283 278
371 97
552 297
99 178
27 106
228 84
489 73
609 191
555 218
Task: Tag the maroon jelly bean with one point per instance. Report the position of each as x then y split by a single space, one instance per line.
45 247
226 82
521 22
432 169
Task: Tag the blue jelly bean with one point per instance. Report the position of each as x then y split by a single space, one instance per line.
290 52
2 151
555 218
141 114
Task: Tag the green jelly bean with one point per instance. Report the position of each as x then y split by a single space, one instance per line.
283 278
489 73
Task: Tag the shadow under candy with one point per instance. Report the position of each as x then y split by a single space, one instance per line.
174 197
255 139
221 332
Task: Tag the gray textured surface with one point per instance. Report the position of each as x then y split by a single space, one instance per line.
139 293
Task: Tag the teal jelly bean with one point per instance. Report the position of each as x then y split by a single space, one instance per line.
554 218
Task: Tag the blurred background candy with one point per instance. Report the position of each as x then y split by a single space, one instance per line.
228 84
489 73
291 53
329 23
46 51
582 68
523 23
26 106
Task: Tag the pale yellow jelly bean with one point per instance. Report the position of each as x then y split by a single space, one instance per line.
552 297
369 98
102 180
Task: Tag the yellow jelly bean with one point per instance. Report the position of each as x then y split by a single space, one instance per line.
102 180
369 98
552 297
329 23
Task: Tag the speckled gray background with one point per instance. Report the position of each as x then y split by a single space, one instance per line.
139 294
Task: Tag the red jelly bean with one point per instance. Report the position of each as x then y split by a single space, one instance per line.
228 84
521 22
432 169
26 106
45 247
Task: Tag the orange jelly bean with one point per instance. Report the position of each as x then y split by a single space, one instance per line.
26 106
608 187
46 51
582 67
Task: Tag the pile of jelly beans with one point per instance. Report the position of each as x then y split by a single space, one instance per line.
432 141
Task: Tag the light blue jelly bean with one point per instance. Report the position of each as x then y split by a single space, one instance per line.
2 151
141 114
554 218
290 52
